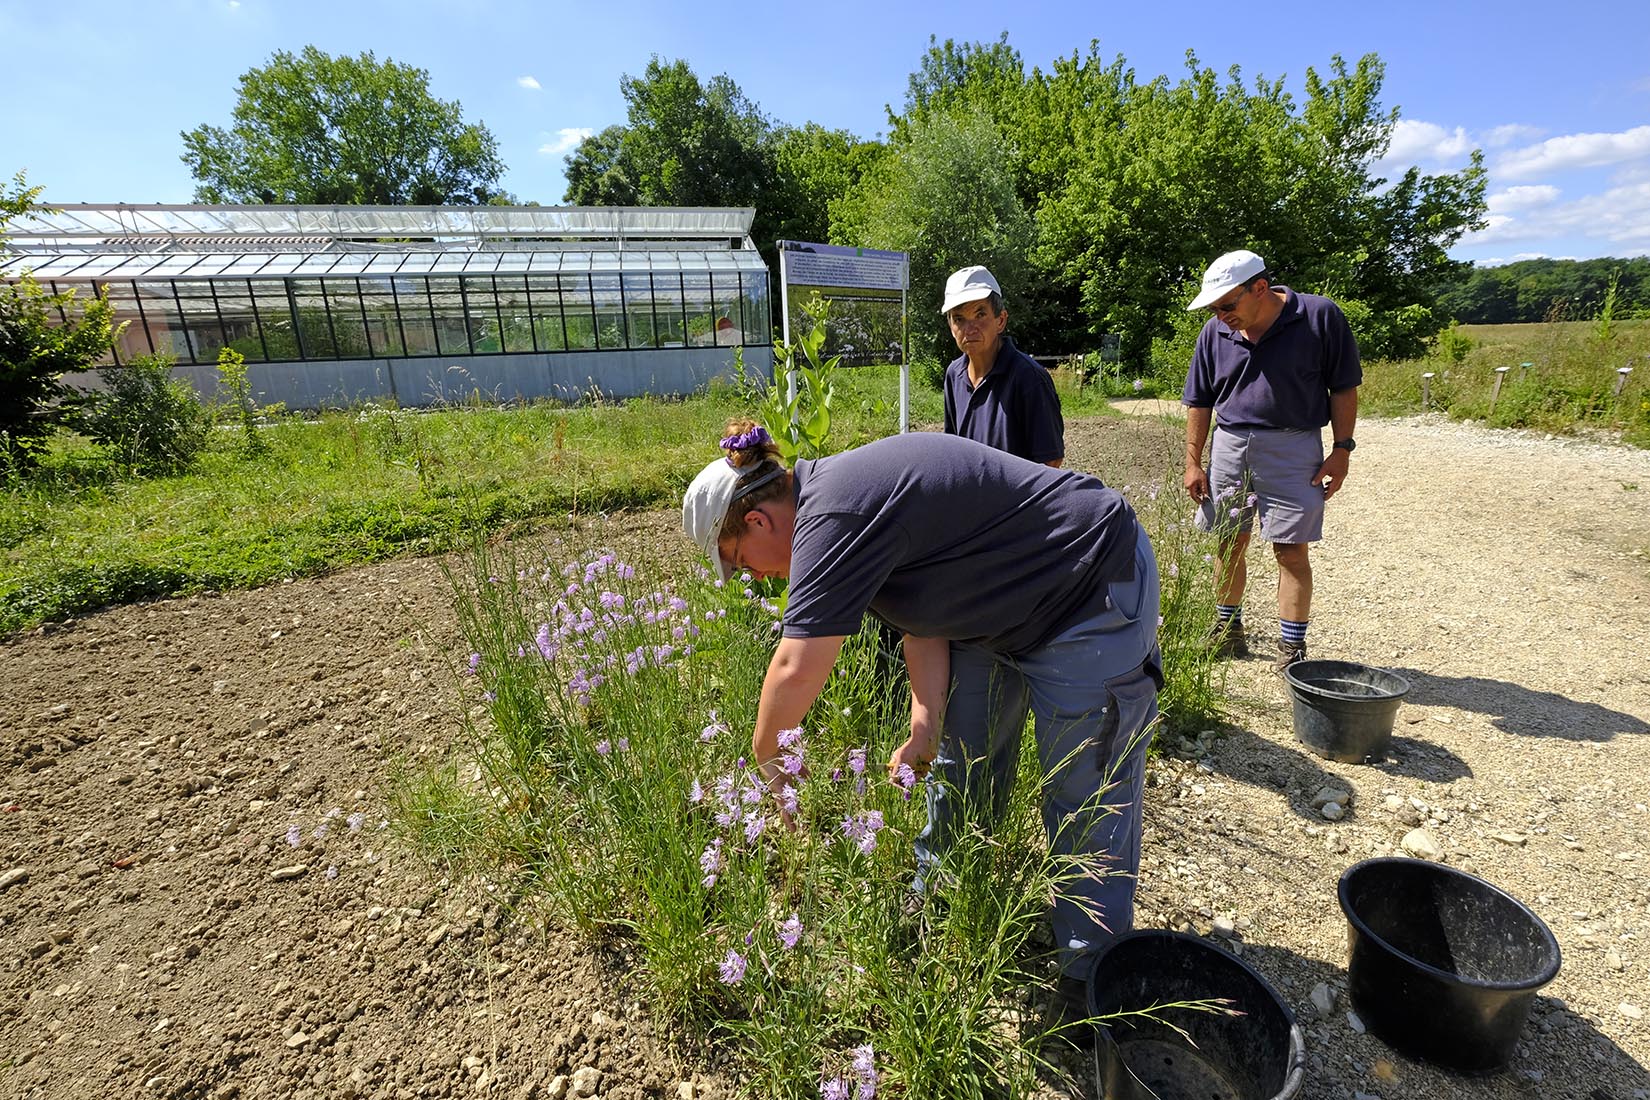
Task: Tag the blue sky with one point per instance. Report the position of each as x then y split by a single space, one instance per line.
1557 96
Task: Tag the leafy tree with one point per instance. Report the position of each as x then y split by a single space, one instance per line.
599 173
946 195
970 76
43 336
312 128
814 170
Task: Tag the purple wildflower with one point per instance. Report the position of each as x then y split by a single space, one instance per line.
732 968
787 799
294 835
862 829
865 1068
856 761
711 863
791 763
1250 500
622 744
332 871
790 932
835 1088
1234 512
474 664
755 823
787 738
696 793
354 820
905 777
603 747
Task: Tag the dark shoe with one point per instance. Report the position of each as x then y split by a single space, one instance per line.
1227 639
1288 654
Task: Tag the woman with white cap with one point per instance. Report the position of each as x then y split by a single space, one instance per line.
1016 586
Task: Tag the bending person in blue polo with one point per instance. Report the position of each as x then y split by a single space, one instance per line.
994 393
1016 587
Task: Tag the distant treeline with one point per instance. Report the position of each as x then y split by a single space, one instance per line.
1542 290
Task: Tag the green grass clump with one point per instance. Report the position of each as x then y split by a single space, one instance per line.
1569 385
604 773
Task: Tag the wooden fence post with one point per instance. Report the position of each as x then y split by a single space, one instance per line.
1500 375
1621 380
1426 391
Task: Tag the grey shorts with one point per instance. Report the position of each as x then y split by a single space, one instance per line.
1265 471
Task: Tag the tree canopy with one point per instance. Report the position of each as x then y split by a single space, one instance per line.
1536 290
312 128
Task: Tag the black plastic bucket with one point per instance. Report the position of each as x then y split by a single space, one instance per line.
1344 711
1259 1055
1443 965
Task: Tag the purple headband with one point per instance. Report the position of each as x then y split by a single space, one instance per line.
757 436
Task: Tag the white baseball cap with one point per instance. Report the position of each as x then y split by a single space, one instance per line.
705 505
1229 271
969 285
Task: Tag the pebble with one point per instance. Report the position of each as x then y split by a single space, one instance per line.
1323 998
297 1039
281 874
13 877
557 1088
1517 840
585 1080
1630 1010
1355 1022
1327 795
1613 959
1421 844
1332 811
1224 926
685 1090
437 935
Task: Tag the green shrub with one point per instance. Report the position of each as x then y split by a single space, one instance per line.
1452 345
153 422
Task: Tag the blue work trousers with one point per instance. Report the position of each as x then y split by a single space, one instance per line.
1093 692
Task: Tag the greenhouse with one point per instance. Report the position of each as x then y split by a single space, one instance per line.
333 305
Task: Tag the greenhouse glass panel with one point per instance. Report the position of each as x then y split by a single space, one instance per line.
315 336
200 319
482 310
697 304
349 328
576 310
638 306
725 294
383 326
160 306
133 340
451 332
511 294
239 322
417 322
610 317
758 322
275 314
545 295
667 309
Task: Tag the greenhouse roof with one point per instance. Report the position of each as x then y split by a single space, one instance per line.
205 225
83 266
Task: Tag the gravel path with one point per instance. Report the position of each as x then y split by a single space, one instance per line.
161 937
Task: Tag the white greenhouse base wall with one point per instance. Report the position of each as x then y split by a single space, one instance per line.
493 379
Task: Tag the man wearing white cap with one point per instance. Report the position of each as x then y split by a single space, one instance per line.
994 393
1273 367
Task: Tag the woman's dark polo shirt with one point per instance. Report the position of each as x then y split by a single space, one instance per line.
1285 380
1014 408
944 537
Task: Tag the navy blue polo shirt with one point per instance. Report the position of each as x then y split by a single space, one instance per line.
944 537
1285 379
1014 408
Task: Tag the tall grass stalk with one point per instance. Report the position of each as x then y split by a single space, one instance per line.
606 752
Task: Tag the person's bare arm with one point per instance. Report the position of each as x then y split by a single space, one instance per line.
1196 480
928 662
797 673
1343 421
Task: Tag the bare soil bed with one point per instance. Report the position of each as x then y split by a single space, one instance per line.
160 936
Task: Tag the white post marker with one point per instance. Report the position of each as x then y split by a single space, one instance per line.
1621 379
1500 375
1426 391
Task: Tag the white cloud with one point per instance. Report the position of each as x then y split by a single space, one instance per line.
1512 132
528 82
1497 261
1413 142
233 4
1575 151
1522 198
1617 219
566 141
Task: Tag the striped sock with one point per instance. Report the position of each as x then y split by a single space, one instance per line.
1293 633
1229 613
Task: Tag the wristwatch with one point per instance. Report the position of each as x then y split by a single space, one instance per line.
1348 444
